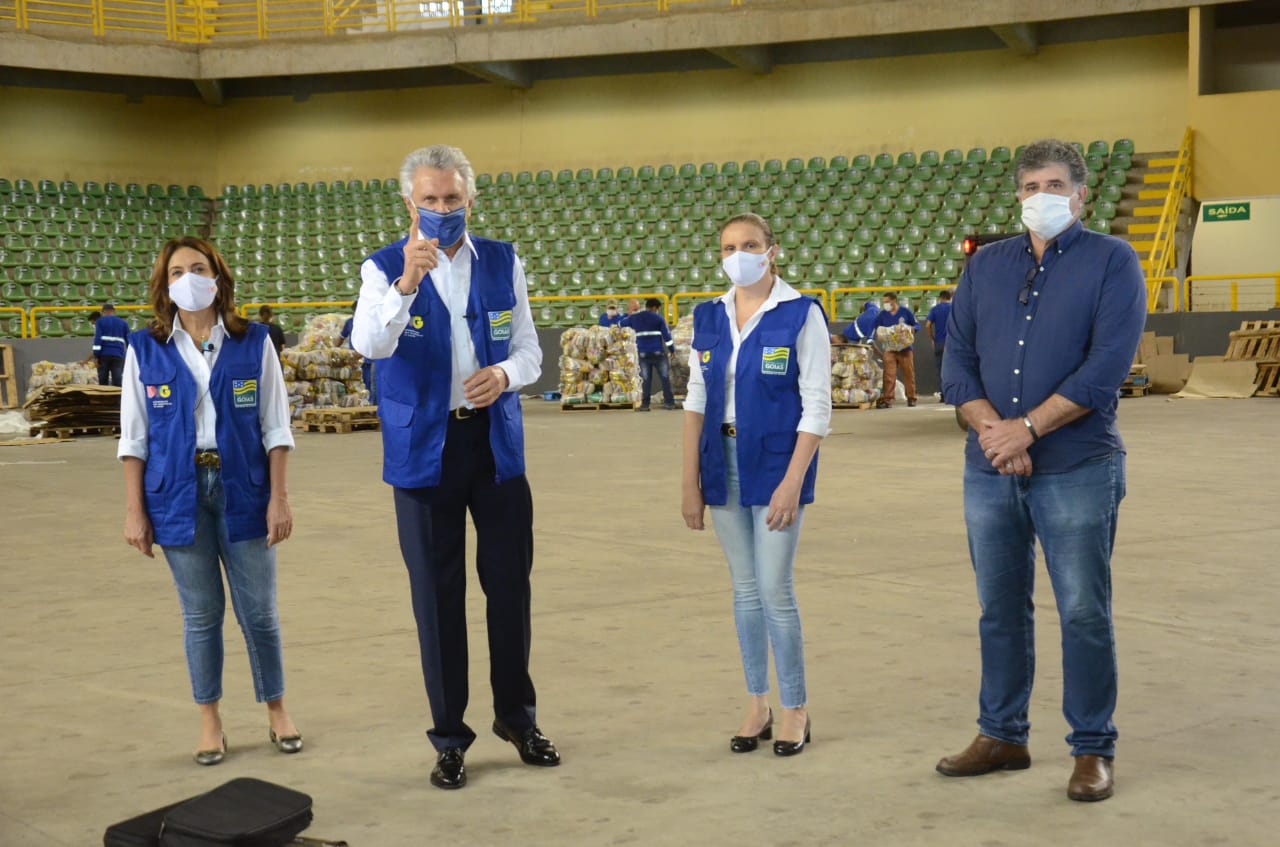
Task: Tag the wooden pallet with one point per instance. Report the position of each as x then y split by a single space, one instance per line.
65 432
1128 390
1255 340
869 405
8 379
353 419
1268 380
597 407
27 442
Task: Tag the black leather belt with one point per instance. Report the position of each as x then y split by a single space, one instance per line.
462 413
208 459
729 429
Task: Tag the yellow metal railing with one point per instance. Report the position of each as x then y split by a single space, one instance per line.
207 21
1164 247
819 294
22 317
1156 285
1235 280
36 311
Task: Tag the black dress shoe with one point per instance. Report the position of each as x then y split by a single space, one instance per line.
535 748
449 771
792 748
747 743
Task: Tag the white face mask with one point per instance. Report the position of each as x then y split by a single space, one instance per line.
611 312
1047 215
192 292
745 268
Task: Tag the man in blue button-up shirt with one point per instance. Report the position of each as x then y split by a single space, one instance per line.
1042 332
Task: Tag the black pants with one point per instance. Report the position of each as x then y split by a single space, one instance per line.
110 370
938 352
433 530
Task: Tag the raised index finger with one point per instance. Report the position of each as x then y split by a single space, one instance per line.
414 232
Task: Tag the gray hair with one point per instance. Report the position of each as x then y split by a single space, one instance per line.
1051 151
441 157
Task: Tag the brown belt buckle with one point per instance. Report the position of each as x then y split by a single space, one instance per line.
462 413
208 459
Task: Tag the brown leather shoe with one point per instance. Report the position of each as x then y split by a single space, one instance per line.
1091 780
984 755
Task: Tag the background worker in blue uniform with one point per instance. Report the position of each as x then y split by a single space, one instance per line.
897 360
205 439
610 316
936 325
654 345
759 403
1042 333
446 316
110 337
862 329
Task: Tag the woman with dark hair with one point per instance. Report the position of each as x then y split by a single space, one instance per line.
204 439
758 404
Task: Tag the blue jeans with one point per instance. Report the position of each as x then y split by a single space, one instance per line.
761 563
648 362
251 575
1073 515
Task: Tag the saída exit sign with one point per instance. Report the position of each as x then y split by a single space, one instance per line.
1226 212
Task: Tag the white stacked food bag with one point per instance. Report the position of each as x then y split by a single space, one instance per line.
682 335
599 364
58 373
895 338
320 373
856 374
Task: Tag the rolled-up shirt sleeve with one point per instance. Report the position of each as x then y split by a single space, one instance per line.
1117 329
382 313
961 377
813 355
695 397
273 407
523 364
133 412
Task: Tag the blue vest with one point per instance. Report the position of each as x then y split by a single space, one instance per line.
169 483
766 397
109 336
414 382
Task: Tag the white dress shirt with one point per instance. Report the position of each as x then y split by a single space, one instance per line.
813 357
382 313
273 400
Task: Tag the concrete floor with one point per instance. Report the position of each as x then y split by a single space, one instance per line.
635 656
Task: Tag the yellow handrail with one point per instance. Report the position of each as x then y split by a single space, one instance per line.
35 311
1234 279
1164 247
819 294
205 21
1156 284
22 318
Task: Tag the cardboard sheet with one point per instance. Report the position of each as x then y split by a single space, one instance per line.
1168 373
1224 379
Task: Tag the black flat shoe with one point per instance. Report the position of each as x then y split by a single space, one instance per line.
287 743
211 757
535 748
449 771
792 748
747 743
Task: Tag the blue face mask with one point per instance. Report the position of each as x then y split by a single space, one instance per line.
448 228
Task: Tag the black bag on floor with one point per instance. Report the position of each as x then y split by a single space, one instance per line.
244 812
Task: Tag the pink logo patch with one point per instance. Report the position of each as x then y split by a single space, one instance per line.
151 391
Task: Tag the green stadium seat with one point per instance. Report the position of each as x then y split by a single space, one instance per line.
954 157
1121 160
1123 145
1098 148
976 156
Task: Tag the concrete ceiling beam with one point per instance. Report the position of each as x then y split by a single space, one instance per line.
508 74
1022 39
756 59
210 91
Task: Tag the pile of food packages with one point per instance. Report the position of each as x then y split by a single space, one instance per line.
682 335
856 375
599 364
54 373
321 372
900 336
